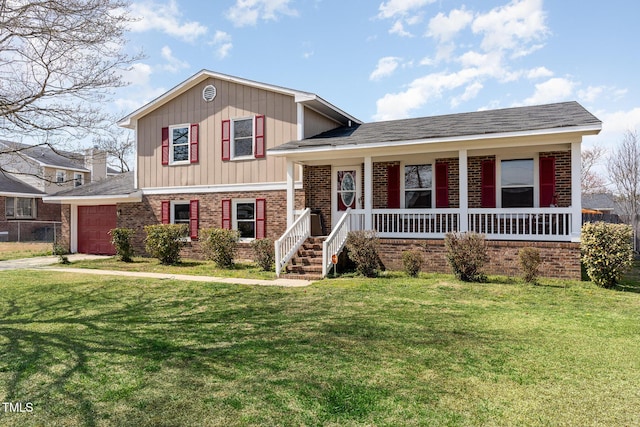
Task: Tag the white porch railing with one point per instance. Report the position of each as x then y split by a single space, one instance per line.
522 223
496 224
415 223
292 239
334 243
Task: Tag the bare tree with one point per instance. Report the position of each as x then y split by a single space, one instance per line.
59 59
119 145
624 171
592 182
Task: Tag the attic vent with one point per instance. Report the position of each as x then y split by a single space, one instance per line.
209 93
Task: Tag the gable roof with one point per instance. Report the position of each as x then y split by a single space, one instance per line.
562 117
309 99
44 155
10 186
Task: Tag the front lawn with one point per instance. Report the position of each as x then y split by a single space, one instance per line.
16 250
187 266
390 351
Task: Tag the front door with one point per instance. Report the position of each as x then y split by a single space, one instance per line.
346 191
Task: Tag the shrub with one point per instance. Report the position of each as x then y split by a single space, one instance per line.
607 252
121 240
164 241
61 252
363 251
220 245
529 260
264 253
412 261
467 255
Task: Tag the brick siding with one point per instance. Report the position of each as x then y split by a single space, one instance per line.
147 212
560 259
317 182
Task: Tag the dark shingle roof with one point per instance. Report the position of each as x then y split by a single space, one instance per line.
598 201
519 119
8 184
117 185
45 154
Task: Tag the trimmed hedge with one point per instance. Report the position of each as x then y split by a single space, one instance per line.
164 241
467 255
607 252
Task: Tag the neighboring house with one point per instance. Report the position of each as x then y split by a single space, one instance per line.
31 172
598 203
220 151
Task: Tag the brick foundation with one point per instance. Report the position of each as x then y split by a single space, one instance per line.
559 259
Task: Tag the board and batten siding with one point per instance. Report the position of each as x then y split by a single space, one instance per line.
232 101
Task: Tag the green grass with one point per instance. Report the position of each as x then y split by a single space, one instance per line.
188 266
390 351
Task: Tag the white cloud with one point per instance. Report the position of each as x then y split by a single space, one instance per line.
398 28
248 12
511 27
393 8
150 15
553 90
173 64
386 66
222 43
422 90
137 97
444 28
539 72
498 37
138 74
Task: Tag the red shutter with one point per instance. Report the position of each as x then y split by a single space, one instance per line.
547 181
226 139
226 214
442 185
259 149
393 186
165 146
193 134
165 212
261 216
488 182
193 219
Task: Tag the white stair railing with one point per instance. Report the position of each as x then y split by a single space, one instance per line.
292 239
335 242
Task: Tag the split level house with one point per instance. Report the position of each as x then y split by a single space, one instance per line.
30 172
268 161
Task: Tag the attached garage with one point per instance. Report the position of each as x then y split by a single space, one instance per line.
94 223
89 211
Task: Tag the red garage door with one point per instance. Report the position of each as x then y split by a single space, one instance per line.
94 223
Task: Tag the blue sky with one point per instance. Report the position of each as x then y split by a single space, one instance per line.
381 60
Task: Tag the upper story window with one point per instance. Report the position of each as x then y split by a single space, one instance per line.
418 181
517 183
78 179
242 141
243 138
20 207
179 143
61 176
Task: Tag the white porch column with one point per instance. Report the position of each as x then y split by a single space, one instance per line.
368 193
73 230
291 193
463 190
576 192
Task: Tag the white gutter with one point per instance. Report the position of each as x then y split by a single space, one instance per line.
90 200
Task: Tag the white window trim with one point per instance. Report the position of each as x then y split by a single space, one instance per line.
402 185
180 162
64 176
34 208
536 177
234 218
232 139
172 218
